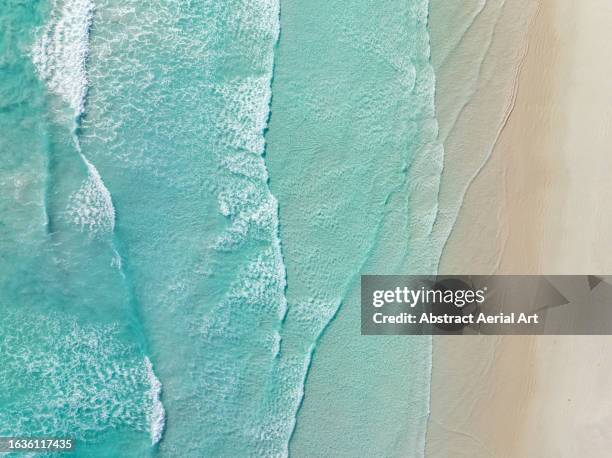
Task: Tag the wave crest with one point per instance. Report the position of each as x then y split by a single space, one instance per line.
157 413
61 52
91 207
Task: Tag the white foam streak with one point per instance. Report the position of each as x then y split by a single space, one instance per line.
157 414
60 54
91 206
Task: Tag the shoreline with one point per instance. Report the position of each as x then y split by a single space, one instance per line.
533 208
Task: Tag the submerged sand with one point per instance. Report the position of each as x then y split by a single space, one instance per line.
528 154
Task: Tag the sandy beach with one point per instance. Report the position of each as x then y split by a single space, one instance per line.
532 128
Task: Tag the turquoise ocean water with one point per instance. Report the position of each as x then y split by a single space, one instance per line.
189 191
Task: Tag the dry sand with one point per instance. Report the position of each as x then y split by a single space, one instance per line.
537 130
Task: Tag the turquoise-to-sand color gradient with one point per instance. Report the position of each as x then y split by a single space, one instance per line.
189 192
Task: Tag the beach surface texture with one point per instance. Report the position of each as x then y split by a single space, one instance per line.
537 123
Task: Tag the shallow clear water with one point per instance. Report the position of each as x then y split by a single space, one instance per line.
354 162
187 203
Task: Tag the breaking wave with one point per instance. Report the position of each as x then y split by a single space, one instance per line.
157 414
91 207
60 55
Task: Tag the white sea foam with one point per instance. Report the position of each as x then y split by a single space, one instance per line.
91 207
63 376
157 414
245 113
247 199
60 56
61 52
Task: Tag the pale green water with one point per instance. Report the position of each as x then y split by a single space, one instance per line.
140 222
357 119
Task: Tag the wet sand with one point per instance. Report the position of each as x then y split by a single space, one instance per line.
528 156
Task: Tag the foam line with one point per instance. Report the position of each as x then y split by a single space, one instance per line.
60 55
157 414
